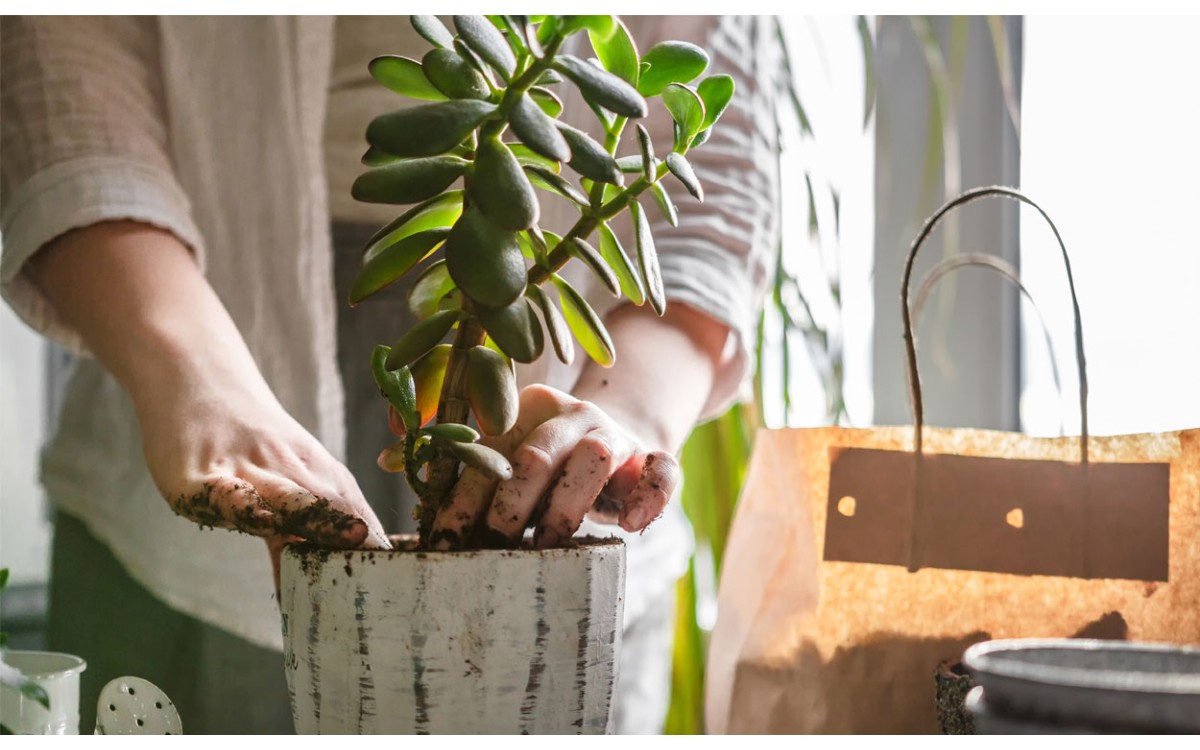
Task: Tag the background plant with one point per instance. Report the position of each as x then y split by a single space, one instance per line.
491 121
11 677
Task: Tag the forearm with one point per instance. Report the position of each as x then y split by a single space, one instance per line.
145 310
663 375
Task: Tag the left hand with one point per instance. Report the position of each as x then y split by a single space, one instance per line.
569 458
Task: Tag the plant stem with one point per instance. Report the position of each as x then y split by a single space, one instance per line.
453 406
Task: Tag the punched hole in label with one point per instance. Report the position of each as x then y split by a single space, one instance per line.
846 506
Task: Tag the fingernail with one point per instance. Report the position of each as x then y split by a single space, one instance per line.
635 518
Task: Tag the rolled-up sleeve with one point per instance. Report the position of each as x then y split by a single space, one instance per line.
718 259
83 139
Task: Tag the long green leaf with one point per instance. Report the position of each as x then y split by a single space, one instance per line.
408 180
670 62
537 130
427 291
486 41
419 339
617 53
392 264
687 110
600 87
434 31
556 326
453 76
618 261
440 211
593 260
404 76
585 323
648 259
501 189
682 169
485 261
716 92
427 129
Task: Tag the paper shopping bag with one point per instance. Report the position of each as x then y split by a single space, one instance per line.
860 559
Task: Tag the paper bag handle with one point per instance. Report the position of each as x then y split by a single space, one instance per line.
914 376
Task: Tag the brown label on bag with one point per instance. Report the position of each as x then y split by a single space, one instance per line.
1108 520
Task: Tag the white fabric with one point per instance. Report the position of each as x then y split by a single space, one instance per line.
215 129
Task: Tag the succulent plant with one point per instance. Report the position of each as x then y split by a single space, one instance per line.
490 119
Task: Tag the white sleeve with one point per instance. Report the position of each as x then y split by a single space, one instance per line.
718 258
84 140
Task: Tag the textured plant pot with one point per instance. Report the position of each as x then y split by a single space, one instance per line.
489 641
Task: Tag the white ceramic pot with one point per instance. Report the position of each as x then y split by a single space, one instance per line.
58 674
487 642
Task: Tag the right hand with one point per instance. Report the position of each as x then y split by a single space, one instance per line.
229 460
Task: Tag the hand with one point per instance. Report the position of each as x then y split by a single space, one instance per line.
225 459
569 458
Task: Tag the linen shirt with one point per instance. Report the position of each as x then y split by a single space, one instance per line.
219 131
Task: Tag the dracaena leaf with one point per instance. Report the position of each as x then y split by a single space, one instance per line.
393 263
440 211
670 62
408 180
453 76
427 129
585 323
404 76
556 326
648 259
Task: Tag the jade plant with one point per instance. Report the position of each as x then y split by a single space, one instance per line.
472 158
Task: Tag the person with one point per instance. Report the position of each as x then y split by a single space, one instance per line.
168 191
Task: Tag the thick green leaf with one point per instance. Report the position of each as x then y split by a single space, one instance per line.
427 291
440 211
548 180
427 129
716 92
513 29
474 61
585 324
434 31
601 87
409 180
396 386
631 164
500 188
603 26
589 158
528 156
591 257
453 76
618 261
515 329
670 62
486 41
646 146
617 53
665 204
422 337
482 458
560 334
404 76
547 29
686 109
546 100
537 131
549 77
428 374
452 431
682 169
648 259
701 138
391 264
374 157
485 261
491 390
